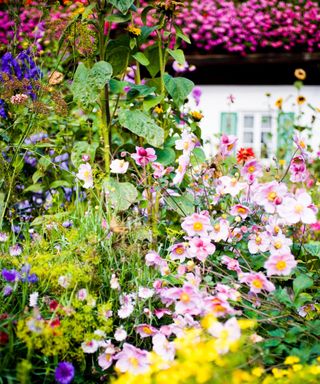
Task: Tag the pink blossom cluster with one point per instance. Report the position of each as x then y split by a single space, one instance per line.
251 26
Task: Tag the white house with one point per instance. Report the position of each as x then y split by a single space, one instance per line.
254 118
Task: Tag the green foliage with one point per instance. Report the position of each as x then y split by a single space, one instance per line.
178 88
88 83
142 125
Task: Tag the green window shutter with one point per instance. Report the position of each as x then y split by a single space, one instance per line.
285 134
228 123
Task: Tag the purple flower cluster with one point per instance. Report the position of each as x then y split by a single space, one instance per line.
30 26
251 26
11 276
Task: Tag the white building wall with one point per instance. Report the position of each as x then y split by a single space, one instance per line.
214 101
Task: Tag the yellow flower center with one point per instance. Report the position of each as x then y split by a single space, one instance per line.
277 244
276 229
272 196
134 361
281 265
216 227
186 145
86 174
258 240
229 147
241 210
298 208
257 283
233 181
302 144
147 330
179 250
180 168
184 297
197 226
251 169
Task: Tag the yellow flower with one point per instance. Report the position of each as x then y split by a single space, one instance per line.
258 371
282 162
158 109
297 367
246 323
300 74
278 373
279 103
197 116
301 99
133 31
291 360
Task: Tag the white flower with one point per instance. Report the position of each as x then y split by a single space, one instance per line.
90 346
3 237
119 166
85 174
82 294
33 299
145 293
120 334
114 282
64 281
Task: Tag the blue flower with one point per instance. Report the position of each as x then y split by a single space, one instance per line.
10 275
64 373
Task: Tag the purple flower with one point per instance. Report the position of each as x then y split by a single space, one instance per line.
64 373
7 290
33 278
10 275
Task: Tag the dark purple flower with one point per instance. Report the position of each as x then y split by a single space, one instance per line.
33 278
10 275
64 373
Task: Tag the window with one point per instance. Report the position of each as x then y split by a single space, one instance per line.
258 130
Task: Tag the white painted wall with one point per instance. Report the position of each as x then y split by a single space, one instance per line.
214 100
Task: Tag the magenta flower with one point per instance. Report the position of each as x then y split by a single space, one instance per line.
144 156
270 195
251 170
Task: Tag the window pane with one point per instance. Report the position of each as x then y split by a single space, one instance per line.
266 121
248 121
248 137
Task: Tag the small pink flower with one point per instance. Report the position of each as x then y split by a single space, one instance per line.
259 242
280 264
178 252
90 346
120 334
251 170
85 174
160 312
257 282
186 143
183 161
298 208
232 264
19 98
132 360
298 169
280 244
227 144
240 210
82 294
270 195
153 259
220 231
145 330
144 156
145 293
105 359
228 185
201 248
163 347
197 224
158 170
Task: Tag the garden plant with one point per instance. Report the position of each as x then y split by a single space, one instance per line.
126 255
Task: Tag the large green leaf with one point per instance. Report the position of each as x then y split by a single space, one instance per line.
122 5
301 283
121 195
88 83
178 88
118 58
178 55
142 125
166 156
